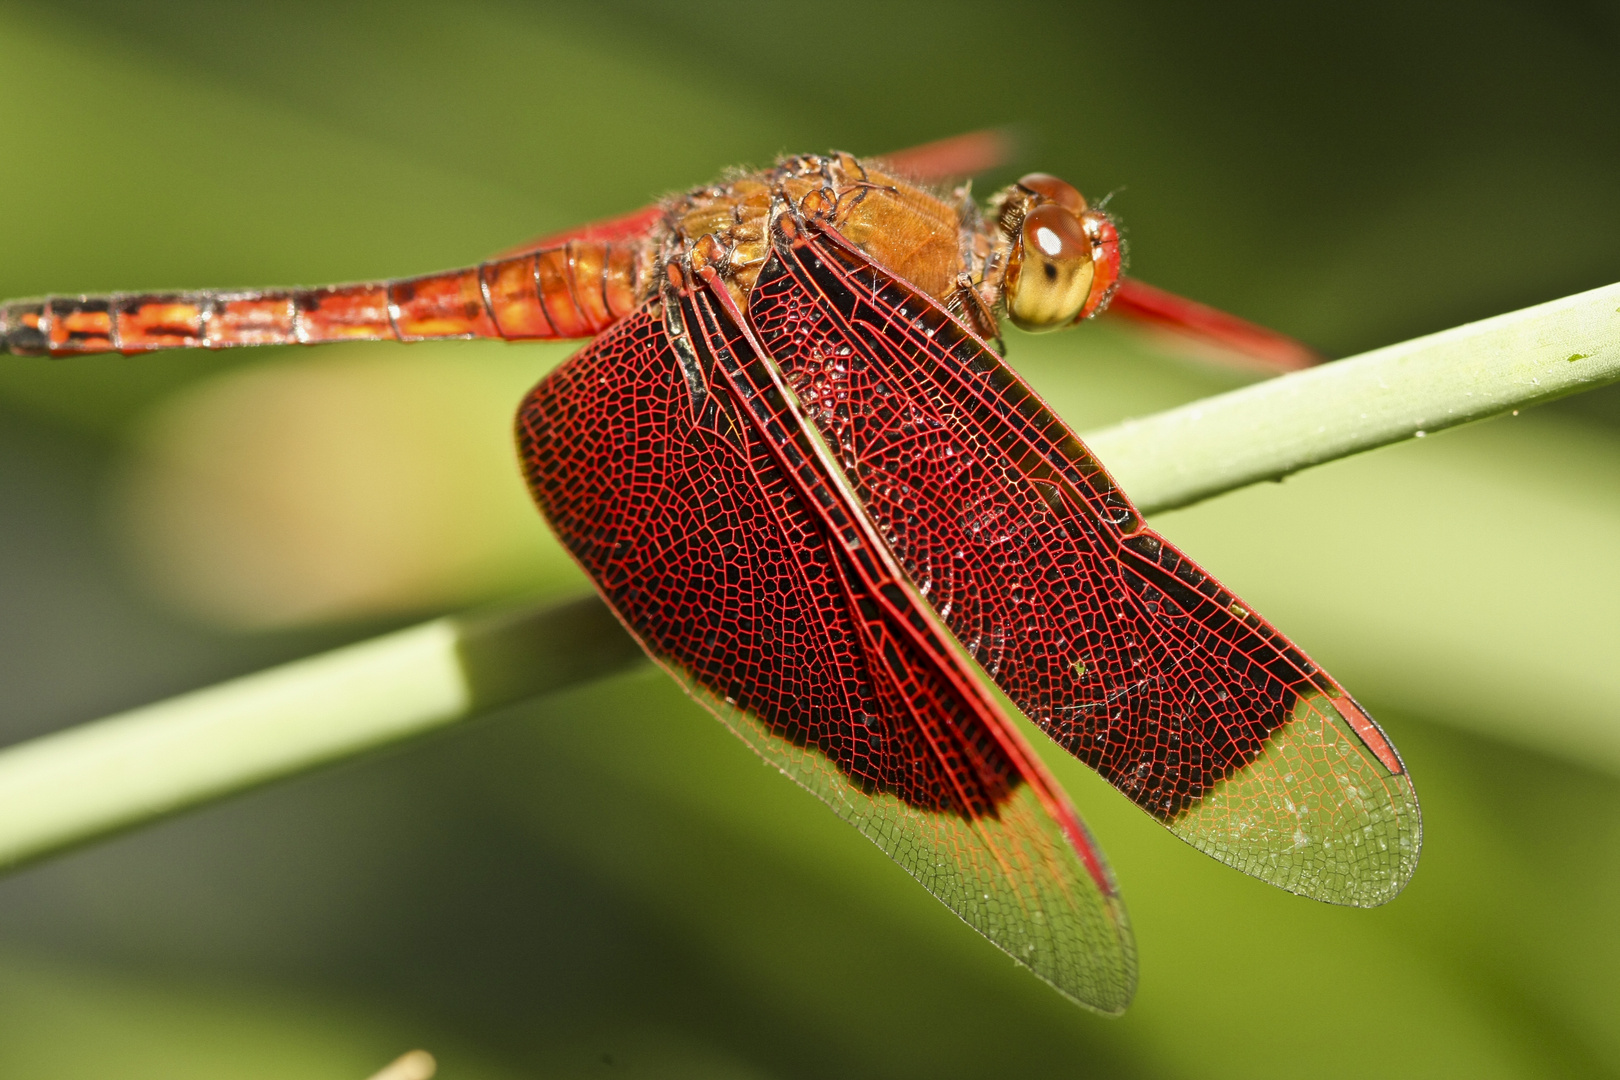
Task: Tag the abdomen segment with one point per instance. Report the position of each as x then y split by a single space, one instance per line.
573 290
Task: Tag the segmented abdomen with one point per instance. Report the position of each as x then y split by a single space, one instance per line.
574 290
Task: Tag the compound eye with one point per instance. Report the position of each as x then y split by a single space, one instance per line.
1052 189
1107 259
1050 275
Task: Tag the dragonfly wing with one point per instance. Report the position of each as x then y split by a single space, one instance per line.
697 530
634 225
1208 330
955 158
1106 635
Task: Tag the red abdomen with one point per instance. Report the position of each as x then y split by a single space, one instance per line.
575 289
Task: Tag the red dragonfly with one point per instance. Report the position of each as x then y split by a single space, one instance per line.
795 464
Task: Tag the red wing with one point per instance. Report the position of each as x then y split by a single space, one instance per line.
694 495
637 223
1110 639
1210 330
947 159
955 158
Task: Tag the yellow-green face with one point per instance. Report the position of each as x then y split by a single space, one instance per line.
1065 256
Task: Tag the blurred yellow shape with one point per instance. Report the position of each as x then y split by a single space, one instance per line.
413 1065
347 483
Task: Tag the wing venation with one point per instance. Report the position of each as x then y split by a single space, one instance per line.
743 578
1106 635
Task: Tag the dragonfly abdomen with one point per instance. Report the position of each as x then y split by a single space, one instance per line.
574 290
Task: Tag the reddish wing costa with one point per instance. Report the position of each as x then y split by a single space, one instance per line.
795 467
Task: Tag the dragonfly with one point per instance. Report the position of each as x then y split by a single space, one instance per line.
795 464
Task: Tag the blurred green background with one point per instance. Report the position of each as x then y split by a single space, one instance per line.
606 883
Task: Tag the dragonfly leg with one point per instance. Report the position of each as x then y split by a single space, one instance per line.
965 302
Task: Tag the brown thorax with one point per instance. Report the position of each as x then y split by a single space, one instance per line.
938 241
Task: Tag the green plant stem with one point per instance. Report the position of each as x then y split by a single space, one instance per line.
1273 428
87 781
71 787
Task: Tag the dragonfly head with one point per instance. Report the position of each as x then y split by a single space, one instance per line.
1065 256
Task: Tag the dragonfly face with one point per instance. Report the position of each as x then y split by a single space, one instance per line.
1063 262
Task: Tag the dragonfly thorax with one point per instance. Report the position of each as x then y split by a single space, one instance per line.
1041 257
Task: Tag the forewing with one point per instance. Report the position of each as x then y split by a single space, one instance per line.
954 158
1107 636
681 507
